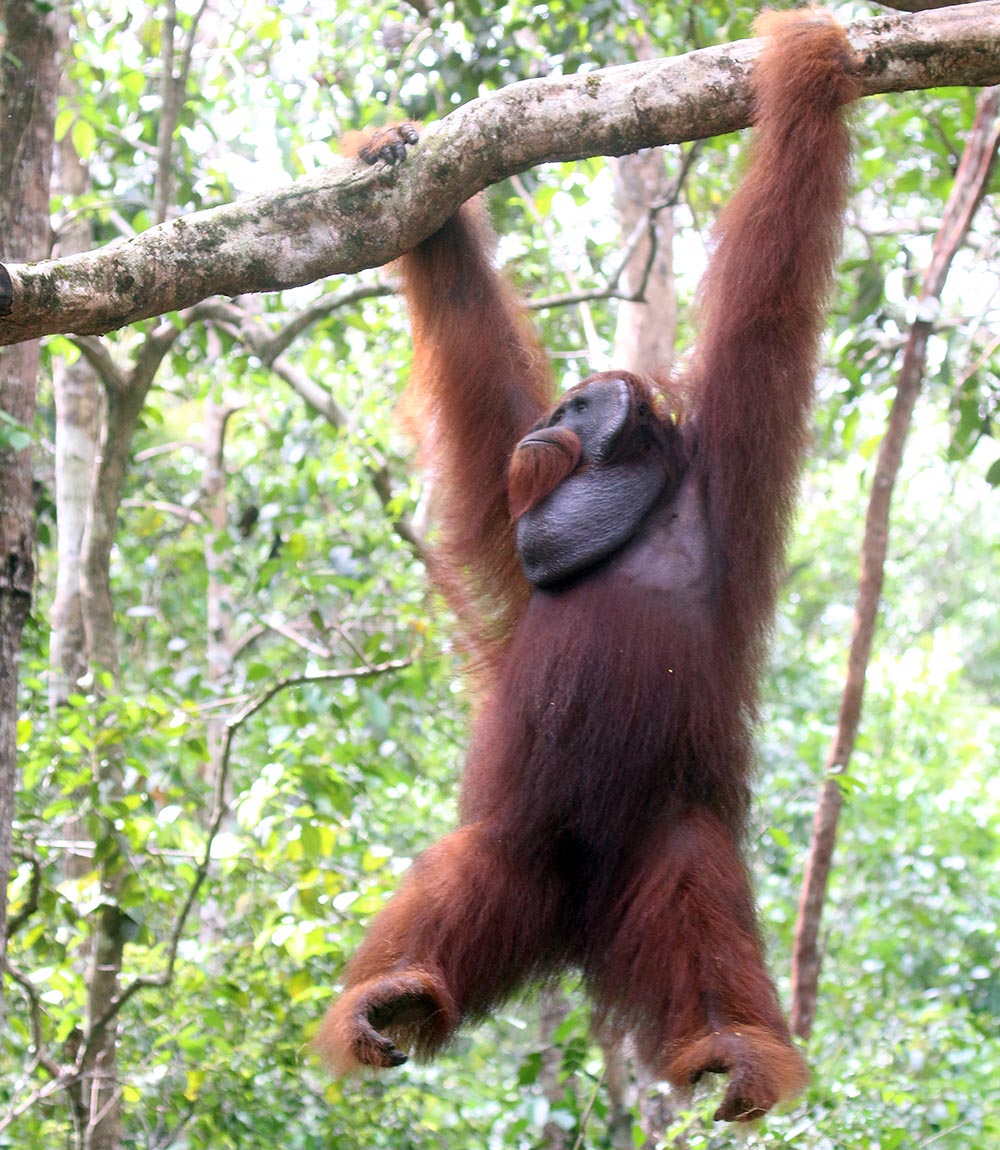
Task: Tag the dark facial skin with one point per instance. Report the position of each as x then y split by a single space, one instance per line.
595 414
595 511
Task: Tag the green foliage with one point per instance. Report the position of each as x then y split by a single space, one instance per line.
334 786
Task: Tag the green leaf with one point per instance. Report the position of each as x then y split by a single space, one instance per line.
14 436
63 121
84 139
780 836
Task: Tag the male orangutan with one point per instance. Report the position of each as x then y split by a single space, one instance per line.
617 567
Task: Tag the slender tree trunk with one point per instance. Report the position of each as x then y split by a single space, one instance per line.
553 1011
98 1090
620 1088
171 94
219 607
970 184
98 1094
78 408
125 395
77 396
646 333
28 85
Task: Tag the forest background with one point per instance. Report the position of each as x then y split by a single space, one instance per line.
238 714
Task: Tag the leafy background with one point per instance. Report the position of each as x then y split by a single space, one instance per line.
335 785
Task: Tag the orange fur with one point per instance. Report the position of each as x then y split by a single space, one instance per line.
763 299
471 343
367 144
538 467
762 1069
605 796
426 1019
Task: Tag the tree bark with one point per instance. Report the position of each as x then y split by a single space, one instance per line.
28 84
553 1011
920 5
219 607
969 187
78 416
646 331
96 1094
93 457
173 86
351 217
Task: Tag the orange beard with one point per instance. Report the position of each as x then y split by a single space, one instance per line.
539 466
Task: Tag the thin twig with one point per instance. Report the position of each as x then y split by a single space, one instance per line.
41 1058
590 1106
34 892
219 809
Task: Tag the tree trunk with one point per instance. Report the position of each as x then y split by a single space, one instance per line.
78 409
553 1011
28 84
77 396
646 333
970 184
219 607
219 614
97 1095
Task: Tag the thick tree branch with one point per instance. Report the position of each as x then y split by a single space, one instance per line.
919 5
349 217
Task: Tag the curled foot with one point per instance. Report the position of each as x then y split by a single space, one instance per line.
376 1023
763 1069
406 1009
